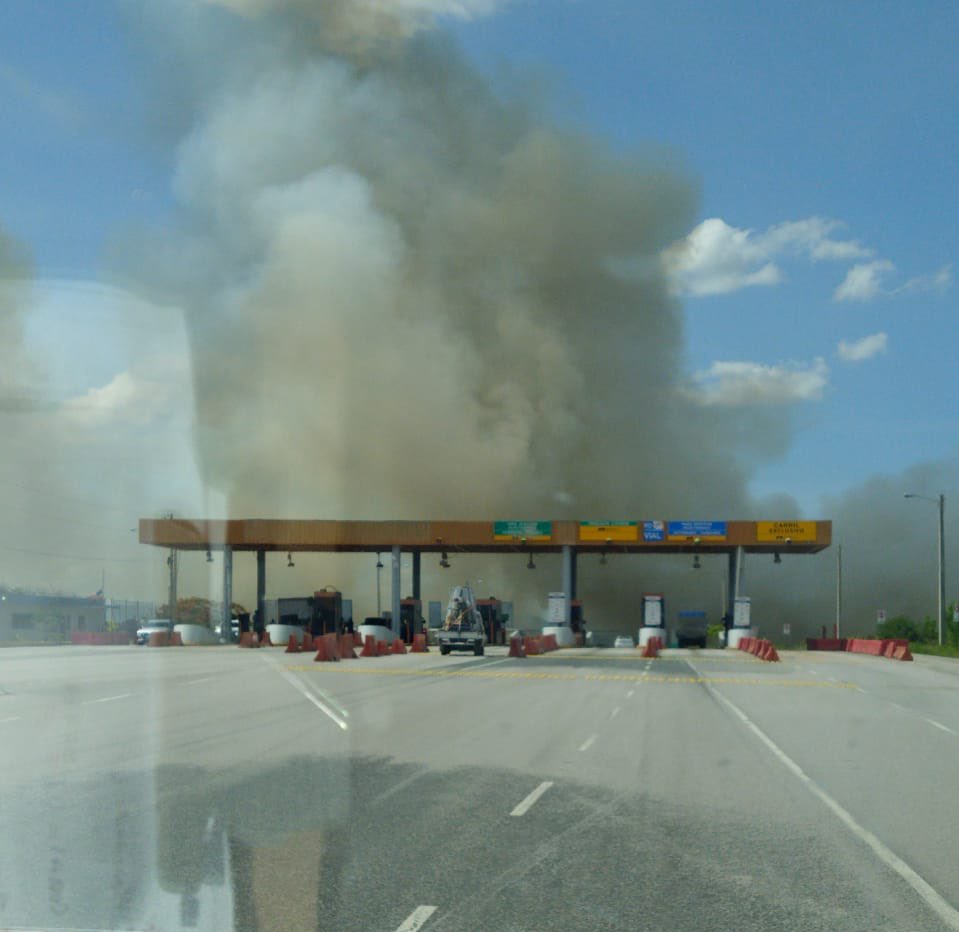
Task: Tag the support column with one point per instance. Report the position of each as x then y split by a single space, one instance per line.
261 585
226 620
395 594
569 577
416 574
732 574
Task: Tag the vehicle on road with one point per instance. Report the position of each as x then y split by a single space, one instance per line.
154 625
463 627
691 627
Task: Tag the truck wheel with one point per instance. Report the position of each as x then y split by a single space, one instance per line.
479 651
444 651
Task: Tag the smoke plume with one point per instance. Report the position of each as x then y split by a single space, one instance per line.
403 300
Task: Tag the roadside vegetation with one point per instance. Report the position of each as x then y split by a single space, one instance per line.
923 635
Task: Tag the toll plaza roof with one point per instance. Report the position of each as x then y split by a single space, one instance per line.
628 536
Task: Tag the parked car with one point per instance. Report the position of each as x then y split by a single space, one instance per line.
152 626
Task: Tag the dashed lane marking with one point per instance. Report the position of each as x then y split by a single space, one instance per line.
107 699
588 743
642 679
416 919
528 803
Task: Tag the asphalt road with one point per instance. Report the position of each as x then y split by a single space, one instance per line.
218 788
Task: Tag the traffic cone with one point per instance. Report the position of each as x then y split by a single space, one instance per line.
346 647
397 647
293 646
265 639
382 648
307 641
369 647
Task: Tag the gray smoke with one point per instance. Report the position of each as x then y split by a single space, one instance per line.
402 299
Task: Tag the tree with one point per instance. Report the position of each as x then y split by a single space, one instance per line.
898 627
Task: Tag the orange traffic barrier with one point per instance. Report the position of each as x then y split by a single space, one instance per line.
307 641
369 647
397 647
382 648
532 647
159 639
516 648
345 644
323 651
419 644
246 639
265 640
293 645
357 639
902 653
175 639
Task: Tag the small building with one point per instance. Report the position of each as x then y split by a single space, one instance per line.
37 616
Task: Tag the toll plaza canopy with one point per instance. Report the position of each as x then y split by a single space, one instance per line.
649 536
570 538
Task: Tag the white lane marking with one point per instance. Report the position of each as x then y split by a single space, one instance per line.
941 727
13 718
107 699
946 912
615 712
629 695
402 785
319 703
203 679
417 919
493 663
588 743
527 803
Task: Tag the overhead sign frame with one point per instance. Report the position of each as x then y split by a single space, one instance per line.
612 531
529 531
780 532
696 530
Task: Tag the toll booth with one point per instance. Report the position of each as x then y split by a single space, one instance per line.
577 620
494 619
411 618
327 617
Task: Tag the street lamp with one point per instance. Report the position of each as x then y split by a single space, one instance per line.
941 501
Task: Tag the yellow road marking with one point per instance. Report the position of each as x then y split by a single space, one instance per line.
605 677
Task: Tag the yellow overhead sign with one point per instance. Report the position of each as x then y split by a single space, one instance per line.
781 531
612 531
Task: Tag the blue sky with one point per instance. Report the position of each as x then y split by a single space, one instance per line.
818 277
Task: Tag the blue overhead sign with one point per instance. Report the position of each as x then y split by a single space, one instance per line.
690 530
654 530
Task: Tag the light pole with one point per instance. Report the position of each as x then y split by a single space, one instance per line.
941 501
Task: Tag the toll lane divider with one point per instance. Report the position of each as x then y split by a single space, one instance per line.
760 648
891 648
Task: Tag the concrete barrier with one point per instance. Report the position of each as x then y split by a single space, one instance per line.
196 635
159 639
101 638
516 648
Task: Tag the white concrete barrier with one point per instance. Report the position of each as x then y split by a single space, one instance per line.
193 635
280 634
646 633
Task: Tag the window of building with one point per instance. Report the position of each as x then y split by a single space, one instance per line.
22 620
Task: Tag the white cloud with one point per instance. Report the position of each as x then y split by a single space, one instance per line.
866 348
752 383
939 281
863 281
151 390
716 258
